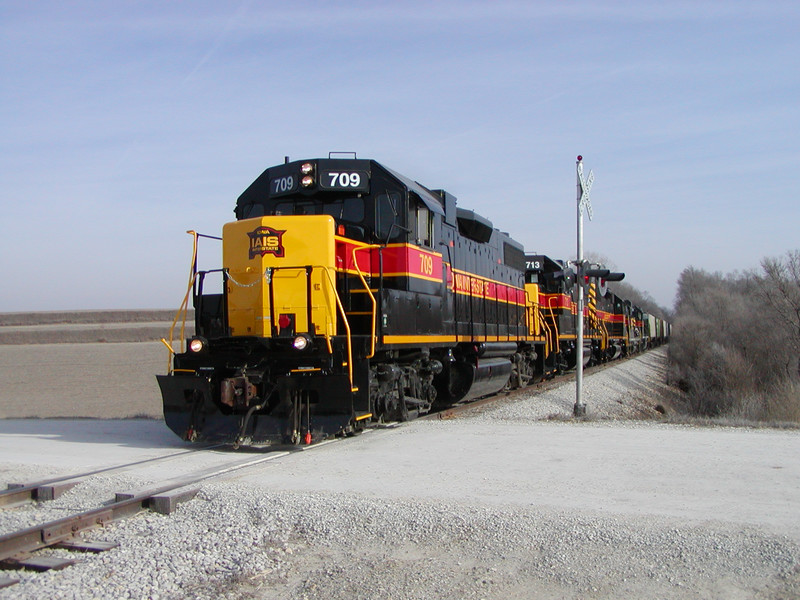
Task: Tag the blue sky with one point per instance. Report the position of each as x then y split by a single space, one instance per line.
126 123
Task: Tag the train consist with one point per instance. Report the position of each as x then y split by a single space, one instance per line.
350 294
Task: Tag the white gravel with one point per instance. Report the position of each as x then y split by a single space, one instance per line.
504 504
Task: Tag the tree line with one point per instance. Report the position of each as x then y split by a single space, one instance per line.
735 345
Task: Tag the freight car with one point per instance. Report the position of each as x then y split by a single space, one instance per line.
350 294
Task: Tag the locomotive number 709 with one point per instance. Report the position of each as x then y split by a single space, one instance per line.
426 264
344 179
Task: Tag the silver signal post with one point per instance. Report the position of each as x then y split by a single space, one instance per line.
584 185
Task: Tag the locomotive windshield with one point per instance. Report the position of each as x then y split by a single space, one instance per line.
346 209
350 210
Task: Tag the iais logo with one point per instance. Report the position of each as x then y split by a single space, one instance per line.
266 240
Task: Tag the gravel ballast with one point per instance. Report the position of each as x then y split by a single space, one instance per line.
514 500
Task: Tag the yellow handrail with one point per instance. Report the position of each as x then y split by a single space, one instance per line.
371 296
184 307
550 343
553 316
347 328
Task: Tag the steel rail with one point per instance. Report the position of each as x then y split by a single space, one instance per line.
19 494
51 533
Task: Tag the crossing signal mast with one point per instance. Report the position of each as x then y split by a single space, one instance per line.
584 274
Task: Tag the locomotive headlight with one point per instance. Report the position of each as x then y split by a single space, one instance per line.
301 342
307 168
307 181
197 344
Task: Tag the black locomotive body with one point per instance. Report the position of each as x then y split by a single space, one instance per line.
352 294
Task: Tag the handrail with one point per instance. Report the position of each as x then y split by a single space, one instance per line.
325 269
182 313
369 292
553 315
184 307
532 312
536 310
554 320
600 325
339 305
347 328
550 343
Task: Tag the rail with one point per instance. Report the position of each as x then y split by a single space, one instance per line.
596 324
347 328
553 318
183 310
309 269
50 489
604 333
21 542
371 296
550 339
182 313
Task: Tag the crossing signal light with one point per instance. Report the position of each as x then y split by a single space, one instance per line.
604 274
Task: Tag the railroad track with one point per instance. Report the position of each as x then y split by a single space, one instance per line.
18 549
50 489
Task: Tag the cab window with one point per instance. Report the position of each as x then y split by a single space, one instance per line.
424 220
388 216
349 210
253 210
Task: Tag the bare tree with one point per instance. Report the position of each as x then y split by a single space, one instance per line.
780 290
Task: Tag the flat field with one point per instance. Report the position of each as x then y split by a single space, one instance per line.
99 364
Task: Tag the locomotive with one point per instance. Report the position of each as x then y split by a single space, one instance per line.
350 294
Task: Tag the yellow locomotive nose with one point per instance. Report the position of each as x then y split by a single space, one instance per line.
281 275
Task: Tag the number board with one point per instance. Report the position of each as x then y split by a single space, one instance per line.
533 265
344 180
283 185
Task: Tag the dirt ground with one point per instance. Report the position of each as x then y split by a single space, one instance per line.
101 380
94 364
